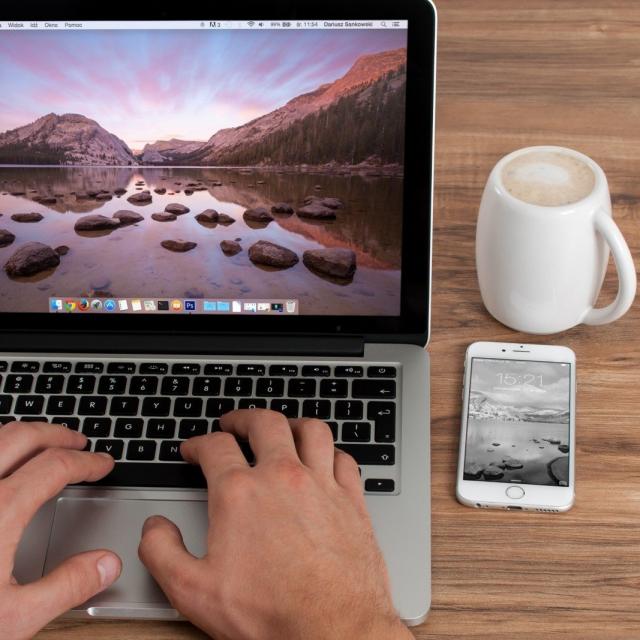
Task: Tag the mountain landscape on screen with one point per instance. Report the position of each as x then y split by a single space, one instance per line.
356 120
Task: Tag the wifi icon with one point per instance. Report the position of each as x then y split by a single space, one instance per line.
251 23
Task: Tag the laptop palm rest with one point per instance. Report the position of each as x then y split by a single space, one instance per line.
82 524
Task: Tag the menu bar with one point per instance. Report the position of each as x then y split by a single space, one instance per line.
88 25
173 306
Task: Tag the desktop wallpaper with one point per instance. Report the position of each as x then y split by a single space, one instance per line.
260 164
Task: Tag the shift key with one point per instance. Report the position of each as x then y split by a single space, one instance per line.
374 389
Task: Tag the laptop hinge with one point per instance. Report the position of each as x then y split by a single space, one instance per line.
187 344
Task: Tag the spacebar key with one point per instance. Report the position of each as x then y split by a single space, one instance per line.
370 453
141 474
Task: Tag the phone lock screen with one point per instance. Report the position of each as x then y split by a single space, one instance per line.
518 422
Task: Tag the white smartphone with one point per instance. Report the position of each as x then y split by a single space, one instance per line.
517 439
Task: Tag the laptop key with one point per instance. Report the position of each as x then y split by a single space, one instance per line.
381 485
158 474
217 407
206 386
348 372
114 448
316 409
154 368
175 386
141 450
365 454
170 451
185 368
89 367
121 367
333 388
356 432
5 404
69 423
374 389
218 369
187 407
81 384
289 408
156 406
316 371
191 428
20 383
384 416
97 427
161 428
25 366
128 428
124 406
283 370
250 370
302 388
238 387
29 405
57 367
143 385
61 405
112 385
92 406
348 410
3 365
49 384
34 419
7 419
270 387
382 372
334 429
252 403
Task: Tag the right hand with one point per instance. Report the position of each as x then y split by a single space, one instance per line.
37 461
291 550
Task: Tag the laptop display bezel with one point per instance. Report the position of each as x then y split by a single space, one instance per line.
417 214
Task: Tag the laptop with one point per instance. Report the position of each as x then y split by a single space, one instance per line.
210 212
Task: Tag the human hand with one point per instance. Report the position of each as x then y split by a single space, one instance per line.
291 550
37 460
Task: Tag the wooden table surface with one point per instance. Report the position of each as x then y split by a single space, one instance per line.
513 73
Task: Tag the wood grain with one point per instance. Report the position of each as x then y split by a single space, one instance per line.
511 74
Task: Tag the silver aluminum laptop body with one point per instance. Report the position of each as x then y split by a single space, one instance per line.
84 518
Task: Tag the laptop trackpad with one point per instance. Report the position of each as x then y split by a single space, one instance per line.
82 524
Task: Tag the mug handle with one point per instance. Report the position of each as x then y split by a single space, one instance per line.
627 281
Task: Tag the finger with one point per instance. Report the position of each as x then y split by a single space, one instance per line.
42 478
314 442
162 551
345 470
69 585
215 453
268 432
20 441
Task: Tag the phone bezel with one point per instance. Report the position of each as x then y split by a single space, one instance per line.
493 495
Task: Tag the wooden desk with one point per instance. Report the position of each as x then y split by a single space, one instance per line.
514 73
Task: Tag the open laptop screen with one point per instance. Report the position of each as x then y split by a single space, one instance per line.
234 167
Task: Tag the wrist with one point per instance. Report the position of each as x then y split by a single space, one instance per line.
388 629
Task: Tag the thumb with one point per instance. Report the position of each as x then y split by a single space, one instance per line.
72 583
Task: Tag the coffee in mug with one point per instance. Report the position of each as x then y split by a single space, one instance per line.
543 239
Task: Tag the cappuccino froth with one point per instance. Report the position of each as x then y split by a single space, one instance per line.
548 178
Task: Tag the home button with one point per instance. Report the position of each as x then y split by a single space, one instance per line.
515 492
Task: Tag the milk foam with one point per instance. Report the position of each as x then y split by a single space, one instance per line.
548 178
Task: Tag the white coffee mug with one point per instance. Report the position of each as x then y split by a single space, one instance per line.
542 244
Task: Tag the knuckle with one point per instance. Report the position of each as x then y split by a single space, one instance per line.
233 485
290 471
317 429
59 460
347 460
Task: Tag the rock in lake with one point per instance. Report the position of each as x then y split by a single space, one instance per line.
316 211
208 216
104 196
180 246
188 192
119 191
339 263
45 199
282 207
177 208
331 203
272 255
564 448
127 217
230 247
160 191
223 218
473 471
96 222
27 217
164 217
144 197
512 463
492 472
62 250
6 238
216 183
258 214
31 258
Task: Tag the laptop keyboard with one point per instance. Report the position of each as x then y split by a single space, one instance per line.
140 411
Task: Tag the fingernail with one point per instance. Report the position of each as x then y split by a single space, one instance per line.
109 569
